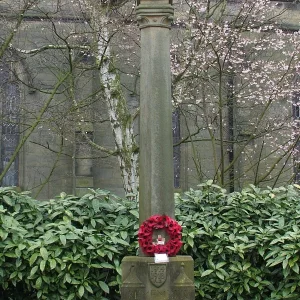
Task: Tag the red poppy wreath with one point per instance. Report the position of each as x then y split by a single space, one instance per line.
173 229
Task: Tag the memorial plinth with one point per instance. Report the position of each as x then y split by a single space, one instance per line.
143 278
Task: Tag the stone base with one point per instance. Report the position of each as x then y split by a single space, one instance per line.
143 279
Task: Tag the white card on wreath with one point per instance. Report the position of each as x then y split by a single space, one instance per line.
161 258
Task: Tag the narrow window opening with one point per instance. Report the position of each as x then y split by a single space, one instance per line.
176 149
10 102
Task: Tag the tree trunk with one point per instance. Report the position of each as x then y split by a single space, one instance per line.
120 119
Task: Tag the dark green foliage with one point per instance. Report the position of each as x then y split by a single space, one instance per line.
245 245
67 248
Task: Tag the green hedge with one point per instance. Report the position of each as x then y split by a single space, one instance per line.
245 245
67 248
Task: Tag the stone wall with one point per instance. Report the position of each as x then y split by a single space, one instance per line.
48 158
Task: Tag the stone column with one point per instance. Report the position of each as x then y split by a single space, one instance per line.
156 193
142 277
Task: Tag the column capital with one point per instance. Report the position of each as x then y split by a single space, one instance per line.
158 15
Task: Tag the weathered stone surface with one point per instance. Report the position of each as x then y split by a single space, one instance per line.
81 191
145 280
156 144
84 182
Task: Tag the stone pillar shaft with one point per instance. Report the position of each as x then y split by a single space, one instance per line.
156 144
142 277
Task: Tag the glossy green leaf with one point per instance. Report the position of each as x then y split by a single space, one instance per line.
42 265
81 291
207 272
33 258
38 283
104 286
63 239
44 253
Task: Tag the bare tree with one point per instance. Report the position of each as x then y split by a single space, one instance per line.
73 52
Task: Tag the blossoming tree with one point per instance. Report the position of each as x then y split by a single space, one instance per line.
235 83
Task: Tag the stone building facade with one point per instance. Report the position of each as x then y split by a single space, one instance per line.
47 113
247 157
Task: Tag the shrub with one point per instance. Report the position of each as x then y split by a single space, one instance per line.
67 248
245 245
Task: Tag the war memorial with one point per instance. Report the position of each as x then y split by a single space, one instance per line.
160 275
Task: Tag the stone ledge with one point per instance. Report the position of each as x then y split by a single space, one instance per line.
145 280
